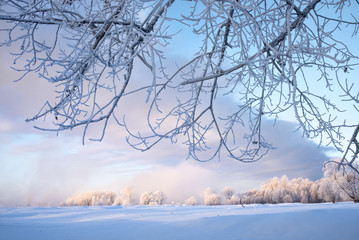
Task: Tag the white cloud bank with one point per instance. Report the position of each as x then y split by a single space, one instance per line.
39 167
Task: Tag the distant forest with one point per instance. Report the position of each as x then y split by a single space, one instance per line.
333 187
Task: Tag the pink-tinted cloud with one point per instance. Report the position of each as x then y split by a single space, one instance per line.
40 167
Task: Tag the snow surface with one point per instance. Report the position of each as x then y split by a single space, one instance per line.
283 221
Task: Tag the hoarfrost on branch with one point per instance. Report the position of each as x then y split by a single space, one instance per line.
255 60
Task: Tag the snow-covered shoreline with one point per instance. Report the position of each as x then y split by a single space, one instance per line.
281 221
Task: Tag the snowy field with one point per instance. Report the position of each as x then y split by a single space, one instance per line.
283 221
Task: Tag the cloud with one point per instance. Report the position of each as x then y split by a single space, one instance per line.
41 167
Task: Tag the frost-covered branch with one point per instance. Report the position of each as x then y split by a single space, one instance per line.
256 61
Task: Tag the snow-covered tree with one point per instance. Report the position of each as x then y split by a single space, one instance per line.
287 198
283 190
126 196
91 198
345 178
314 192
227 193
145 198
328 190
267 57
211 198
158 197
152 198
251 196
229 197
349 183
235 200
191 201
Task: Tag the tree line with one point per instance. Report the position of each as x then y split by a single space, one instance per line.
334 186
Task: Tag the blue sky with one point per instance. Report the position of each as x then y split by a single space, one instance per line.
40 167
